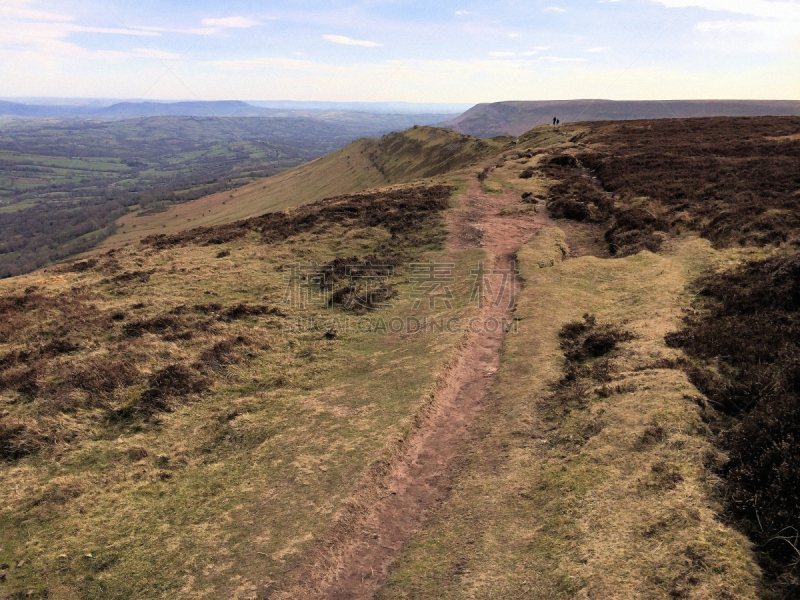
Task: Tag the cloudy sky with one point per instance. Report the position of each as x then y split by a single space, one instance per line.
401 50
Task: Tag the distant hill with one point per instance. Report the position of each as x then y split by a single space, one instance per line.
369 107
131 110
37 111
421 114
515 118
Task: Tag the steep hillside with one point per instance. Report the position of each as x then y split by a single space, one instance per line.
515 118
418 153
174 427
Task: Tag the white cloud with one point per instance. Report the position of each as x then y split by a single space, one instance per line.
765 9
346 41
535 50
562 59
231 23
109 30
15 10
596 49
462 13
32 32
513 35
157 54
766 27
502 54
554 9
264 63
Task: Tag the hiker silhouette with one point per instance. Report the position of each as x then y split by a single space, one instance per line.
558 121
554 121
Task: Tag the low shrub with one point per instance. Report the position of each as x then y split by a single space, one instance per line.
587 339
17 439
222 354
744 338
158 325
99 376
169 385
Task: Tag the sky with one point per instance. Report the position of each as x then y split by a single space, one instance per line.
453 51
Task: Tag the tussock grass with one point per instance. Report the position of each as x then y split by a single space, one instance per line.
605 489
181 429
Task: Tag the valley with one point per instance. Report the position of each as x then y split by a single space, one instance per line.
65 182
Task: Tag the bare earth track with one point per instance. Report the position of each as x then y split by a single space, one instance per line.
419 479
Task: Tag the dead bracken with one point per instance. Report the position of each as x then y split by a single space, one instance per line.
400 211
732 180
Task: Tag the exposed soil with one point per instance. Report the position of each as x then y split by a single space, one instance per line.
478 224
419 479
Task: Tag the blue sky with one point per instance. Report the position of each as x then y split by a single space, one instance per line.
401 50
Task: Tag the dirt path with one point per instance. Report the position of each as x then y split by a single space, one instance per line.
419 479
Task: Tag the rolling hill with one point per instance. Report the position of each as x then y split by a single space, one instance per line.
418 153
63 182
421 114
515 118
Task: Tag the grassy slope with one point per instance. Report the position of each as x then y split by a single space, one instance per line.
618 498
222 496
421 152
580 507
534 513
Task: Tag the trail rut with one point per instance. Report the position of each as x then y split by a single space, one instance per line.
420 478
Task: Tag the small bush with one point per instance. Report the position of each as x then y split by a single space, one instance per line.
17 439
584 341
98 376
81 266
588 339
168 385
241 311
158 325
564 160
58 346
131 276
23 380
222 354
567 208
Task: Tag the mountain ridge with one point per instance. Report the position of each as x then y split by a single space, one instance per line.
517 117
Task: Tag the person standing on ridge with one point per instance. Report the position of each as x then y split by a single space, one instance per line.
554 121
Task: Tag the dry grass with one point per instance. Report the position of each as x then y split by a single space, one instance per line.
606 493
182 438
167 438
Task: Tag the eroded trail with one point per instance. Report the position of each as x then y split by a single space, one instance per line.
419 479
